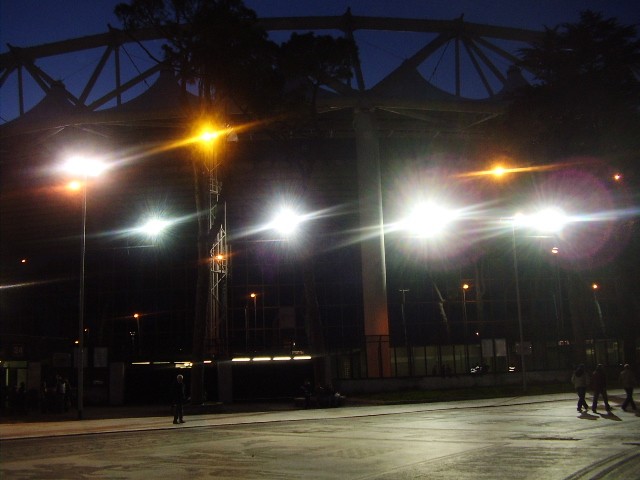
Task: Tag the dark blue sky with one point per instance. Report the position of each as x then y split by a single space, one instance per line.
33 22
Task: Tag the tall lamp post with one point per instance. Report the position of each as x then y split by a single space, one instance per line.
595 287
519 307
549 220
83 167
404 291
465 287
254 296
136 317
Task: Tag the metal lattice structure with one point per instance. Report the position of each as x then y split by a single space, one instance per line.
475 54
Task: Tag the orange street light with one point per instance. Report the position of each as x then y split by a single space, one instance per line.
498 171
74 185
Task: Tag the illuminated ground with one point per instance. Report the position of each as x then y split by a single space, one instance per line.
515 438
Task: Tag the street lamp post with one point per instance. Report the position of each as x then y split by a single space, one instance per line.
136 316
81 303
465 287
255 318
548 220
595 287
403 291
85 168
557 296
519 307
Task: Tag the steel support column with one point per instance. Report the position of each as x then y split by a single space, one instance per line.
374 280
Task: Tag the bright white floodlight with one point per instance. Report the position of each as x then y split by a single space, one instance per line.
154 227
286 222
549 220
428 220
84 166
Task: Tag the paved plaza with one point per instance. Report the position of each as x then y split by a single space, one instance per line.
539 437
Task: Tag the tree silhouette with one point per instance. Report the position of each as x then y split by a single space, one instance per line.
585 102
586 95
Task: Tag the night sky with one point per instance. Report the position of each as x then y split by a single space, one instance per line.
32 22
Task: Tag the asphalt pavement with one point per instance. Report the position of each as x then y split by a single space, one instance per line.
529 437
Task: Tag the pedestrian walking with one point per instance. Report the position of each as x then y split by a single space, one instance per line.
580 381
628 381
599 387
179 397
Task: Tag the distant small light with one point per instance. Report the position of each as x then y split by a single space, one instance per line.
24 260
281 359
465 286
241 359
302 357
594 286
555 250
617 177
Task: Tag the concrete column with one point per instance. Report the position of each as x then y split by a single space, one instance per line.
374 276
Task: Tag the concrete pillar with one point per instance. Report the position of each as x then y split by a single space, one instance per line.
374 276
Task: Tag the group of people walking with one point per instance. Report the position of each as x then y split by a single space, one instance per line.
597 382
581 380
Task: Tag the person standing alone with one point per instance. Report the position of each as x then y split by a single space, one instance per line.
179 398
628 381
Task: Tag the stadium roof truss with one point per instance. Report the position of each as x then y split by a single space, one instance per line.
457 53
